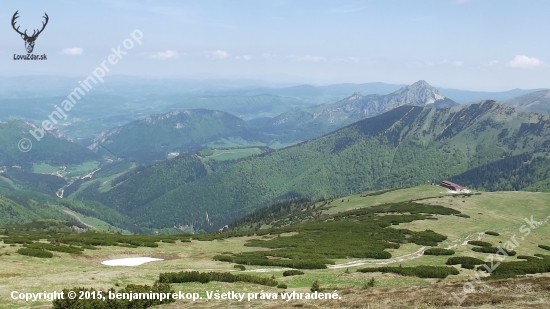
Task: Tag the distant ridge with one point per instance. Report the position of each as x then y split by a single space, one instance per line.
536 102
406 146
313 121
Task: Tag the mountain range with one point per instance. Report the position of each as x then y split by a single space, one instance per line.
411 136
536 102
303 123
122 99
406 146
181 131
188 130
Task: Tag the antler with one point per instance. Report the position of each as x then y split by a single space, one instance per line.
13 24
43 26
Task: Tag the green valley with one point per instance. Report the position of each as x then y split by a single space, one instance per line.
404 147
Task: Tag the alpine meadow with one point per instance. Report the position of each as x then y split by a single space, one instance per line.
275 154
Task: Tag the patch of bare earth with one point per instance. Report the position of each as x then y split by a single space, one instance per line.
530 292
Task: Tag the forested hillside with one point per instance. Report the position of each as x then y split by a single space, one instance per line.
182 131
526 171
404 147
50 149
144 184
17 210
20 206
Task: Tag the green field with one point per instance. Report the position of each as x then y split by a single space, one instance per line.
70 170
44 168
233 154
502 212
233 142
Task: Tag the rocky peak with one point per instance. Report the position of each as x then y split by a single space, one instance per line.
420 94
355 96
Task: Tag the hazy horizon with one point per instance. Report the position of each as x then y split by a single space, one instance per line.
475 45
251 82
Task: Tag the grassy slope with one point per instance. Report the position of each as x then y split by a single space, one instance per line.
502 212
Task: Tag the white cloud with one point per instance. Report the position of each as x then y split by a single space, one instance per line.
353 60
269 56
524 62
244 57
219 54
307 58
493 62
167 54
421 64
456 63
73 51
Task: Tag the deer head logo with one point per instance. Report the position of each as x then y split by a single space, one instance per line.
29 40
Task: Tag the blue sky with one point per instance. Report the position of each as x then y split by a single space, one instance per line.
477 44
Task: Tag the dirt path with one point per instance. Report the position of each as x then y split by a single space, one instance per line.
72 214
407 257
464 241
265 270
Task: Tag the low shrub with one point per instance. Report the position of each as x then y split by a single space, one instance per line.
223 258
438 251
462 215
16 240
98 302
57 248
494 250
195 276
150 244
370 284
127 246
39 253
282 286
544 247
527 257
519 268
492 233
418 271
315 286
464 260
239 266
479 243
292 272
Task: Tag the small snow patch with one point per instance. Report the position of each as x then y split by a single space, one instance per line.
130 261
